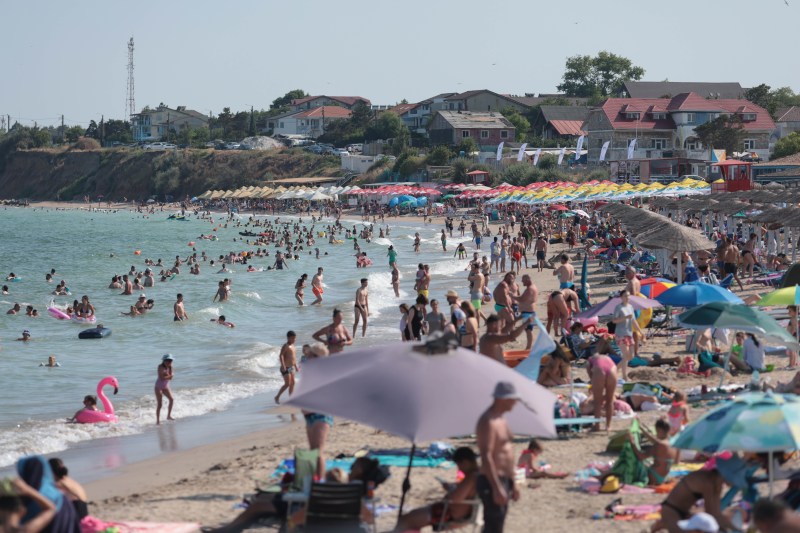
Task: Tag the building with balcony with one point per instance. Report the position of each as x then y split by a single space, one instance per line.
154 124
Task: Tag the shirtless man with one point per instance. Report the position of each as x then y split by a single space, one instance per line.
288 361
127 286
503 299
222 292
565 273
541 252
396 280
634 286
178 309
730 260
476 283
491 343
424 281
335 335
316 287
361 307
527 306
149 278
495 482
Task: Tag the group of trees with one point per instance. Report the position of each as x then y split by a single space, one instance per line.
597 77
772 99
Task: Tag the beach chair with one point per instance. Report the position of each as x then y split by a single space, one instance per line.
726 282
334 508
305 465
475 518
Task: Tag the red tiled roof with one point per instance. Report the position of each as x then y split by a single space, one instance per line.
694 102
788 114
568 127
614 111
330 111
657 108
400 109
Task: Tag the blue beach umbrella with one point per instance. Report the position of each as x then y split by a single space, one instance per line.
696 293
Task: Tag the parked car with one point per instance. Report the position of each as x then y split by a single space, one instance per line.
314 148
355 148
340 152
232 146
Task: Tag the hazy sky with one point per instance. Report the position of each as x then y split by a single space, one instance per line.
70 57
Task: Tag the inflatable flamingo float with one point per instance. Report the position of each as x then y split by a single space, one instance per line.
107 414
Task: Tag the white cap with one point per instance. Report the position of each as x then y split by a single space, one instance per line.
700 522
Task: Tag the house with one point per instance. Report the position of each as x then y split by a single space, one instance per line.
482 100
531 101
664 127
487 129
309 123
668 89
560 122
780 170
154 124
787 120
310 102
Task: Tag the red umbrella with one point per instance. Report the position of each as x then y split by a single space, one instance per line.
558 207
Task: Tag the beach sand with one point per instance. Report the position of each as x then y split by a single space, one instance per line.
203 484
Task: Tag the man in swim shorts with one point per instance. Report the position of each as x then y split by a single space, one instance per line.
178 309
527 306
361 307
424 280
541 251
476 283
316 287
503 298
288 362
565 273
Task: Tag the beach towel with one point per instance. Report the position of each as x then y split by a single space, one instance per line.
91 524
628 468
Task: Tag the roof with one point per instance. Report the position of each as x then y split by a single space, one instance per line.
440 96
346 100
190 112
471 119
568 127
401 109
303 181
659 89
470 94
788 114
614 108
564 112
531 101
328 111
787 161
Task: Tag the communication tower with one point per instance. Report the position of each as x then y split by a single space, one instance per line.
130 102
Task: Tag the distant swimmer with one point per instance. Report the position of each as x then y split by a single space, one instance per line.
288 362
11 277
165 375
316 285
51 362
396 280
127 286
361 307
222 322
280 262
222 292
26 336
5 289
180 312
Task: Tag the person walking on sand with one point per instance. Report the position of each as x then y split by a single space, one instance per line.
495 483
165 374
361 307
565 273
288 360
316 287
180 312
541 252
626 323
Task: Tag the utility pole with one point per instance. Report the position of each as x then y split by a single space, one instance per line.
62 129
102 129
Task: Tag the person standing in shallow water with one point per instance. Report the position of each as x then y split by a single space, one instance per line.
288 361
162 389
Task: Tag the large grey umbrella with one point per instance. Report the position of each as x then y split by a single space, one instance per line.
675 238
420 392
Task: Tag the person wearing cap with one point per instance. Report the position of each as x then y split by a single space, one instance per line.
165 375
26 336
706 484
495 484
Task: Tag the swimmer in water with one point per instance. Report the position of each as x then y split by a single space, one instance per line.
298 289
26 336
222 292
335 335
14 310
179 310
51 362
5 289
89 404
222 322
165 375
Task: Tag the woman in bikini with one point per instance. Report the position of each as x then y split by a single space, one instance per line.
557 312
335 335
469 329
298 289
603 376
162 387
556 371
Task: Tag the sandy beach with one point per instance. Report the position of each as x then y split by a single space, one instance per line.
203 484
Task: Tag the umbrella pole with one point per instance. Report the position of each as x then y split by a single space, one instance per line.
406 481
771 473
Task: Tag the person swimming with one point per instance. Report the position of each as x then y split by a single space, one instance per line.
51 362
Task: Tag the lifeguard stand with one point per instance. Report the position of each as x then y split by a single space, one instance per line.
736 176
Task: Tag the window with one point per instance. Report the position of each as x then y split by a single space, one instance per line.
659 116
504 134
689 118
426 107
748 117
749 144
413 111
484 134
281 126
632 116
659 144
464 134
692 144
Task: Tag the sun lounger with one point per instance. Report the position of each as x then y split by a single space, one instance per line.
582 421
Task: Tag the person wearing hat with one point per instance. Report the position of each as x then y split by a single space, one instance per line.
26 336
706 484
165 375
495 484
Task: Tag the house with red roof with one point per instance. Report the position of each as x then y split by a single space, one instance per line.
665 127
308 123
310 102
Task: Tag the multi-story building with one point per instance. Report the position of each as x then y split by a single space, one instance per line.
154 124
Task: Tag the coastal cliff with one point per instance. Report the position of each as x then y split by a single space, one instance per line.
135 174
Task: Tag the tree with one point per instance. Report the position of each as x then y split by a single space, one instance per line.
597 77
522 125
92 131
73 133
762 96
360 115
251 130
388 126
467 146
722 133
787 146
118 131
439 156
286 99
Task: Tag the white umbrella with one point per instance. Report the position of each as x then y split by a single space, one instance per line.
420 392
317 196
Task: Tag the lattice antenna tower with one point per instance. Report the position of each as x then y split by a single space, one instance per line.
130 101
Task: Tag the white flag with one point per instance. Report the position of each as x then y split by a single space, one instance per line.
561 155
603 150
500 151
579 148
521 152
544 345
536 155
631 148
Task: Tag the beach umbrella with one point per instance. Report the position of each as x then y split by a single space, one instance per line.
752 422
737 317
607 307
409 204
785 296
696 293
653 287
398 388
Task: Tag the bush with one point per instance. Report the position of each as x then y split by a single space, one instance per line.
86 143
439 156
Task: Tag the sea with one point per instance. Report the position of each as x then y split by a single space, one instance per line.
225 379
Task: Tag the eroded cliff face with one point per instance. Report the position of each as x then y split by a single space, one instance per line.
140 174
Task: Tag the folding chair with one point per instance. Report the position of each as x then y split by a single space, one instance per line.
474 519
726 282
334 508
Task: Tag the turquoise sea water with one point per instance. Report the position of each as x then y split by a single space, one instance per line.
214 366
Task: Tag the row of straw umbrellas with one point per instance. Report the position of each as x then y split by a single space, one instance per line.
252 192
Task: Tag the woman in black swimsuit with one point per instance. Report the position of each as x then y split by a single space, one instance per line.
416 316
704 485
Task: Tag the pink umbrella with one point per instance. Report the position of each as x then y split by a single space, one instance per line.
607 308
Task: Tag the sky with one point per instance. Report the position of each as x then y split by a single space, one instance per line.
70 58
